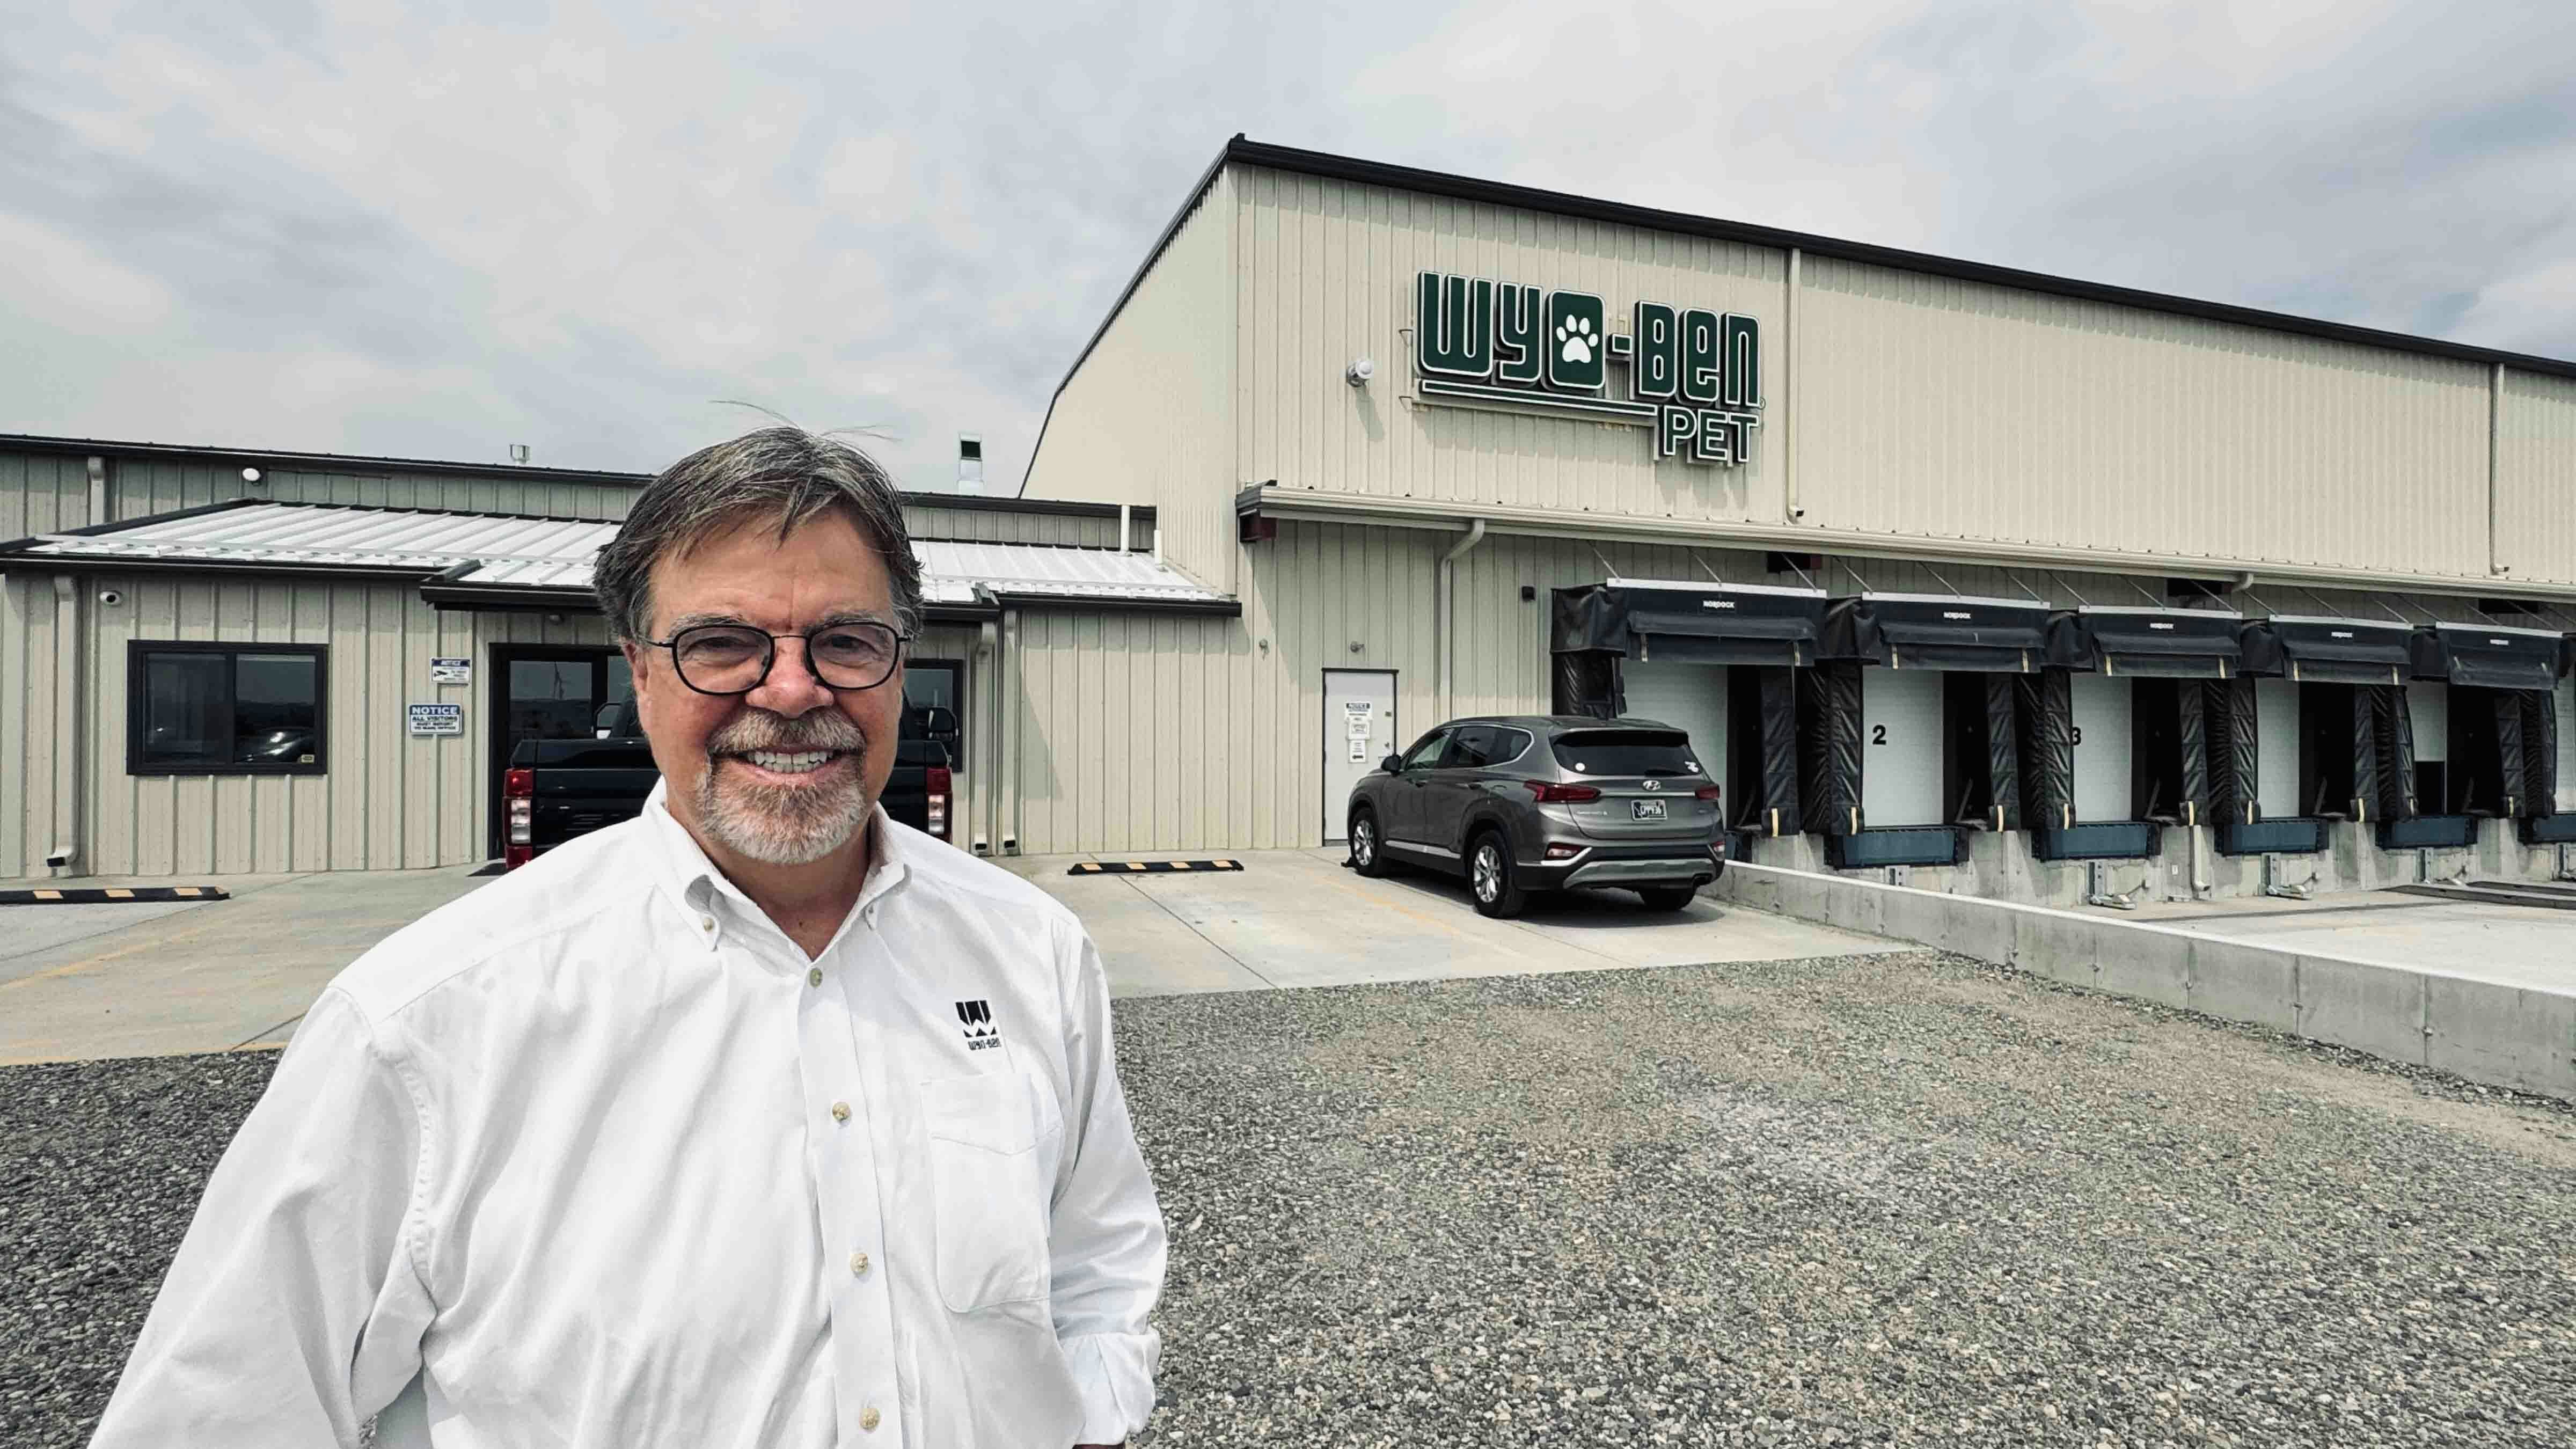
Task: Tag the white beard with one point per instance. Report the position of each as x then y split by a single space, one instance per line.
781 826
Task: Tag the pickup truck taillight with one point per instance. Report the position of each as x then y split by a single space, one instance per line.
1561 794
519 798
935 780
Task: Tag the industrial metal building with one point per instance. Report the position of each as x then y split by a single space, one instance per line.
223 661
2007 583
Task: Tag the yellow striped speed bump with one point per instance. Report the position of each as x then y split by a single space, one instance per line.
1149 867
109 895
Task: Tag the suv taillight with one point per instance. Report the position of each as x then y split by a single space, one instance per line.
519 798
1561 794
936 781
1705 792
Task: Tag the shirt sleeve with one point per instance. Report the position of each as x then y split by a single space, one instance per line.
1107 1240
294 1309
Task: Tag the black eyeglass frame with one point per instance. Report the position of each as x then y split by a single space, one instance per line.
902 646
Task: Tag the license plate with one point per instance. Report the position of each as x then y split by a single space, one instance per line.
1647 809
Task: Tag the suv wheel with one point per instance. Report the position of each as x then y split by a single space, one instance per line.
1489 878
1667 898
1368 851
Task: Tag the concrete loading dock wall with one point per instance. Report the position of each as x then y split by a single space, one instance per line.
2486 1031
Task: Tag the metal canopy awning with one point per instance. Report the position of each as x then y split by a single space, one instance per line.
1938 631
1700 623
493 561
2163 643
2324 650
2489 656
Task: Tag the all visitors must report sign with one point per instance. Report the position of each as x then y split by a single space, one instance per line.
1692 375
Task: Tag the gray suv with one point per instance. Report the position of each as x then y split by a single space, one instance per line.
1522 803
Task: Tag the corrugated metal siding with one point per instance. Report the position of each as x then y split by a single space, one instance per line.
1149 415
42 493
1144 733
1328 273
140 486
2536 478
30 782
971 783
979 525
388 801
1934 407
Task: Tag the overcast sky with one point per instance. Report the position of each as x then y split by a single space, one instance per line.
433 231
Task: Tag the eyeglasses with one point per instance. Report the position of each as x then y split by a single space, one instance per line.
735 658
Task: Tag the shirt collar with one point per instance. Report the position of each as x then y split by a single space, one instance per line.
694 882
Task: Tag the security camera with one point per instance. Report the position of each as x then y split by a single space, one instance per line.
110 597
1359 372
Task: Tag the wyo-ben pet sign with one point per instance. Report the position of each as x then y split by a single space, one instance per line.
1693 376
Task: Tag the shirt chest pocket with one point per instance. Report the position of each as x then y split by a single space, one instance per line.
990 1185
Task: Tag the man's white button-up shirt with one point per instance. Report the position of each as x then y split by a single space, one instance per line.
595 1156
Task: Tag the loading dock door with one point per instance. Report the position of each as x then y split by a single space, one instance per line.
2276 745
1689 697
1900 754
2103 747
1359 731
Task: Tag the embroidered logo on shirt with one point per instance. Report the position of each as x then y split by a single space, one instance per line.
980 1031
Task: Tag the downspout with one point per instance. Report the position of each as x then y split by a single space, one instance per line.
1447 641
97 467
1006 698
1788 386
1122 528
988 731
71 735
2495 415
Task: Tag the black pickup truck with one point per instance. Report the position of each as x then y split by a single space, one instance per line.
558 789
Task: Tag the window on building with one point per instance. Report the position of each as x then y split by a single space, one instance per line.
224 709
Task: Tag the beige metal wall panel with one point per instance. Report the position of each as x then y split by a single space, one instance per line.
1328 275
42 493
1148 415
971 787
388 801
28 694
1933 407
981 525
2536 478
142 486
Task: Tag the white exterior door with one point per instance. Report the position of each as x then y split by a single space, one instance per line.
1690 698
1359 731
2276 746
1900 747
2102 746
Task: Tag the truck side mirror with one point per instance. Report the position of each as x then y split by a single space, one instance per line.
1392 764
939 724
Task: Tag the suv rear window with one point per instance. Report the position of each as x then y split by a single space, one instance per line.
1627 752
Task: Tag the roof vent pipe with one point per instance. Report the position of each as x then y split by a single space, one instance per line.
970 463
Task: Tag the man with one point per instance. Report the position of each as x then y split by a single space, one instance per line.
758 1120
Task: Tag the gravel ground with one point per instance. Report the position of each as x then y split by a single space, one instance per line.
1902 1199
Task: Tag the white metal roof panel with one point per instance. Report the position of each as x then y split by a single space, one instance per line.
551 553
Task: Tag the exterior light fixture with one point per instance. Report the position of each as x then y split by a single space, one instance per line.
1359 372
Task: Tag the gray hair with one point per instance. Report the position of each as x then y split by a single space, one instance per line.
782 473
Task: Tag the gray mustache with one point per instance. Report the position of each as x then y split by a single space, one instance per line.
759 730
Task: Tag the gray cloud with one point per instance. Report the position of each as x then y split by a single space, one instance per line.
576 227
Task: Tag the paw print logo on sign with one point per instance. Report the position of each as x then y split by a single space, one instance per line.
1576 342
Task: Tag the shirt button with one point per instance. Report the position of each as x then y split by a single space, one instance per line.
706 923
868 1418
859 1264
814 977
840 1111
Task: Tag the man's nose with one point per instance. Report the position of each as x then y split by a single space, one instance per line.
791 688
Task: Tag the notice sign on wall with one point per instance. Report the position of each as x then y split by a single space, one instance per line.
451 671
435 719
1355 725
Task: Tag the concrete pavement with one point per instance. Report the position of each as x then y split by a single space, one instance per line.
81 982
